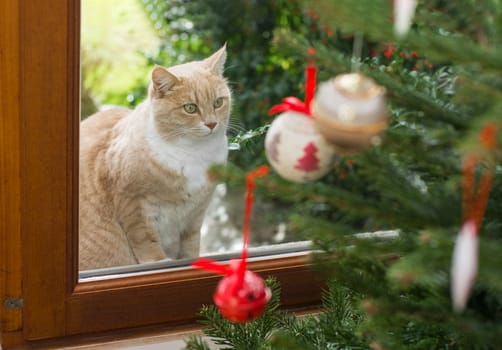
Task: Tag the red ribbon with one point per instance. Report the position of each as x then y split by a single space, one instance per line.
292 103
474 201
310 84
213 266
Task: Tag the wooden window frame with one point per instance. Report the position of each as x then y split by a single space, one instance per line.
39 123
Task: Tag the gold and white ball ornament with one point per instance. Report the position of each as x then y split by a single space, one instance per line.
296 149
350 112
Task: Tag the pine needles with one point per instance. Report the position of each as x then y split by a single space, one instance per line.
277 329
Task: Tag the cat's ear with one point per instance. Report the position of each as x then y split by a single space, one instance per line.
216 61
163 80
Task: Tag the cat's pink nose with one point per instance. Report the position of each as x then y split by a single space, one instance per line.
211 125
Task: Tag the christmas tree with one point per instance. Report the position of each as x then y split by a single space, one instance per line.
437 172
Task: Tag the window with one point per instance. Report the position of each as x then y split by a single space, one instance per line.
121 42
41 294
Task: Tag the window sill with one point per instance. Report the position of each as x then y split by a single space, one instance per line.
148 338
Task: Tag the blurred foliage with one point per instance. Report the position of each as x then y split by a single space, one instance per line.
116 35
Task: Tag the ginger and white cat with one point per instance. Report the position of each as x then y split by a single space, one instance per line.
143 173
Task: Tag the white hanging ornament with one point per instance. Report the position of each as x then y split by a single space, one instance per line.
404 10
351 112
464 266
296 150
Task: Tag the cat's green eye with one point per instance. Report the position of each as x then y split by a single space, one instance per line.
190 108
218 102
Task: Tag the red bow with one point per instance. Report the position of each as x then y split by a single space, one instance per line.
292 103
213 266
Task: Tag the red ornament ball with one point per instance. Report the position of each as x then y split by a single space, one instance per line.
245 302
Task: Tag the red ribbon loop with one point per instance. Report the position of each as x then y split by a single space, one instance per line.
294 104
290 103
474 200
213 266
248 209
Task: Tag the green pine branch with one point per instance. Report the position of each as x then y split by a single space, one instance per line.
248 336
402 93
332 328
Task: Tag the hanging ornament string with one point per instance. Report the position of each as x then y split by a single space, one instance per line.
357 52
310 79
241 295
474 200
248 209
294 104
210 265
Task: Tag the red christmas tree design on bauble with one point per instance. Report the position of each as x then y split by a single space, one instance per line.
309 162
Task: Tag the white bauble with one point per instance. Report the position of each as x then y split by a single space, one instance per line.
296 149
350 111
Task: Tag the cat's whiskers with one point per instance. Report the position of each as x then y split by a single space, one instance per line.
196 131
235 127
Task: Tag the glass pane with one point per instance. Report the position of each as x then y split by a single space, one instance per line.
149 134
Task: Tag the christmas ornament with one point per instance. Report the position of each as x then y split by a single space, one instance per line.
404 10
464 265
241 295
293 145
239 299
350 111
296 150
465 254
